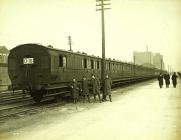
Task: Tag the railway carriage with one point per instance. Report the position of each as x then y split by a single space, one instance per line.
44 70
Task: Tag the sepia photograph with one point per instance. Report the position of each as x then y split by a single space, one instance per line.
90 69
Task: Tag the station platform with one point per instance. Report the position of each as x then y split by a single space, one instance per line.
139 112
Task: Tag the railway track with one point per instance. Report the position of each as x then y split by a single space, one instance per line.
26 105
15 100
9 97
26 108
10 93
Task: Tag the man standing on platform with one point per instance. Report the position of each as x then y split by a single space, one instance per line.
95 87
85 89
75 91
160 80
167 79
108 83
174 79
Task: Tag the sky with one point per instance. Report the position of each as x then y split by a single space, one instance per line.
130 25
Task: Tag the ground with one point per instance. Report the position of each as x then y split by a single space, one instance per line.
138 112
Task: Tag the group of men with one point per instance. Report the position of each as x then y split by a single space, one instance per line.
166 77
83 89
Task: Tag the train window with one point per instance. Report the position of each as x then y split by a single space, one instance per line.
109 66
92 64
98 65
84 63
62 61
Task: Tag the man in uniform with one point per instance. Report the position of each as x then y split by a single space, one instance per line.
95 87
167 79
108 83
85 89
75 91
160 80
174 79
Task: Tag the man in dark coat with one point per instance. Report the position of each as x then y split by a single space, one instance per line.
75 90
174 79
85 89
95 87
108 83
167 79
160 80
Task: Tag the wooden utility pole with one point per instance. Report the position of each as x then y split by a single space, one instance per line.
70 42
100 4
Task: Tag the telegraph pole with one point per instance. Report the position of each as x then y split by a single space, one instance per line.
70 42
100 4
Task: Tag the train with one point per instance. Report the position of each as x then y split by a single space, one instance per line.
43 70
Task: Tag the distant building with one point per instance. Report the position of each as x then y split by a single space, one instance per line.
158 61
4 52
143 58
149 59
4 77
